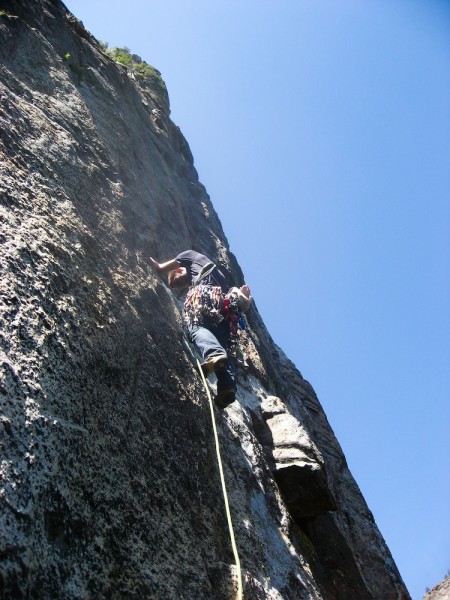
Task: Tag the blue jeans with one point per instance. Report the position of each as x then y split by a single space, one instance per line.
213 341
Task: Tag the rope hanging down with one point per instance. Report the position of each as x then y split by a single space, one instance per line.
224 489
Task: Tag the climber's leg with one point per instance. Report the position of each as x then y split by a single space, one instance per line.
212 347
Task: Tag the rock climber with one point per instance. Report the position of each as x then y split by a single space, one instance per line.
210 314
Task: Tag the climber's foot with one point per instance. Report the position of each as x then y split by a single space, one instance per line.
214 363
225 397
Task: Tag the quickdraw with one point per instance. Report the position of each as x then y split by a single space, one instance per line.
207 303
231 313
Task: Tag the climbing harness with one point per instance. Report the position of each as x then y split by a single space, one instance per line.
224 489
208 304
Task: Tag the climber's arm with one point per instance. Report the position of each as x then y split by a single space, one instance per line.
170 265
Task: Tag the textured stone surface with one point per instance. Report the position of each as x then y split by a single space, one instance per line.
109 484
440 591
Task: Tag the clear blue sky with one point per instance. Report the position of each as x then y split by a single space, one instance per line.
321 131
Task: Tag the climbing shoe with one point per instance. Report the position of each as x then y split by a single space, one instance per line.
213 363
225 397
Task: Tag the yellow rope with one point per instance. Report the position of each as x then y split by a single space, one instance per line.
224 489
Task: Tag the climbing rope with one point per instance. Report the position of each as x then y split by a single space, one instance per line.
224 489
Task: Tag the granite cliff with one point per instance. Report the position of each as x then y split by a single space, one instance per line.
109 482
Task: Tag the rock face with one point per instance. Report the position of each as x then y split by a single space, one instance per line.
440 591
109 481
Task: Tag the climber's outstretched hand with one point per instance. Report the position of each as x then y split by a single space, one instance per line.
245 290
156 266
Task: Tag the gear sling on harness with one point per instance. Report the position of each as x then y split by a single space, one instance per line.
203 302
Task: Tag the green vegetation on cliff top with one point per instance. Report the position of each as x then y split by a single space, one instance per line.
147 76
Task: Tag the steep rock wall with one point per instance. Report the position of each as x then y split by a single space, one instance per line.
109 481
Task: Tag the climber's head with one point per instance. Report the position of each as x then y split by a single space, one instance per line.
178 278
